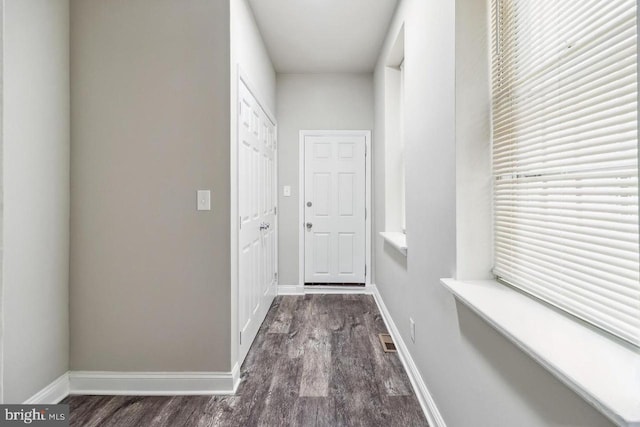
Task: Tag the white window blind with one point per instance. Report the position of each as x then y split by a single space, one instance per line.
565 156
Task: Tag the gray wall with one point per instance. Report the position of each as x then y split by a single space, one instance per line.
249 53
35 157
475 375
312 102
150 276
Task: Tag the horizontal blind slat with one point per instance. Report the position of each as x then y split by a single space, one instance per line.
626 287
531 40
573 286
530 280
565 156
571 241
587 91
518 77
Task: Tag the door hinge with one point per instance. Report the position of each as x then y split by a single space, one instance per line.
240 222
365 270
365 213
275 276
240 337
275 210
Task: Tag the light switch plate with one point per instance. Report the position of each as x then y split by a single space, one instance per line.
287 191
204 200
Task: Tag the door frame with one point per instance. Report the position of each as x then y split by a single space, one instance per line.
243 78
301 201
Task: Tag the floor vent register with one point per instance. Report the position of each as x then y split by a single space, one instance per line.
387 343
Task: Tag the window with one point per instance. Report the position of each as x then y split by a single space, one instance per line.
394 137
565 156
394 147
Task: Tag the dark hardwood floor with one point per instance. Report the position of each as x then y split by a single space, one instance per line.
317 361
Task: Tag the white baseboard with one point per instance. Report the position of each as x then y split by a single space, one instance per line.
52 393
290 290
154 383
235 374
349 290
426 400
137 383
316 290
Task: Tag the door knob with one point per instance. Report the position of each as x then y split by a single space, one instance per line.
309 225
264 226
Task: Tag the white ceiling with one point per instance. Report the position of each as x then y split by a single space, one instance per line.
314 36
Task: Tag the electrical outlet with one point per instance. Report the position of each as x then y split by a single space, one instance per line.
287 191
413 329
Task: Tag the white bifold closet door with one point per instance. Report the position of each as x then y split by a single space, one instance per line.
257 207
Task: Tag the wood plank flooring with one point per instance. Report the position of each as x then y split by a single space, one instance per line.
317 361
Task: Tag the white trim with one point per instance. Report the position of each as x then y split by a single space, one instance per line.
368 182
397 240
137 384
597 367
290 290
325 290
53 393
301 197
424 396
235 375
338 290
234 213
153 383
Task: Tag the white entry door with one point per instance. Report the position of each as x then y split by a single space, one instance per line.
334 208
257 208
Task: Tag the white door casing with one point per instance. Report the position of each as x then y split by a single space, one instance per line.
334 206
257 215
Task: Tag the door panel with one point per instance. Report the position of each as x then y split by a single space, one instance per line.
346 253
322 193
321 260
257 242
346 196
334 209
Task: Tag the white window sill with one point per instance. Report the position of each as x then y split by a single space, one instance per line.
605 372
396 239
